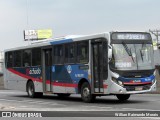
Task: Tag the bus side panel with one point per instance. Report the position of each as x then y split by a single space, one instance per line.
75 74
38 86
108 83
68 77
17 78
14 81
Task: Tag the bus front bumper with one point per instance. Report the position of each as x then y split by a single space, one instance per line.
117 89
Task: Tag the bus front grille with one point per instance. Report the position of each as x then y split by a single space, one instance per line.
137 87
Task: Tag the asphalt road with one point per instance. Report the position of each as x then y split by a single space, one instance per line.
11 100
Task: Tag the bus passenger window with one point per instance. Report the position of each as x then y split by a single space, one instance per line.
17 59
105 60
69 53
36 56
26 58
82 52
9 59
58 54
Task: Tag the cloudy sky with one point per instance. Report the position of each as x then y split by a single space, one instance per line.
69 17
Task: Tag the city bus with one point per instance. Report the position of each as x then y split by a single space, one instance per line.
110 63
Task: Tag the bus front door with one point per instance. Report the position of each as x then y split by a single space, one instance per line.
99 65
46 70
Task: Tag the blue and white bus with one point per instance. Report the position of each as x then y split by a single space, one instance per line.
113 63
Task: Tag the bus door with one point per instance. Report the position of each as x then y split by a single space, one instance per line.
47 69
99 64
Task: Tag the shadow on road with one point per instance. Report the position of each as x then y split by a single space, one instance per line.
99 100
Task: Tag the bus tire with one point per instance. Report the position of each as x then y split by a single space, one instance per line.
123 97
31 90
86 93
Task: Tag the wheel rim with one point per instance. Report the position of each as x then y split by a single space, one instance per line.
86 92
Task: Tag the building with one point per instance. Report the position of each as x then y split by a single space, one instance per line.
1 62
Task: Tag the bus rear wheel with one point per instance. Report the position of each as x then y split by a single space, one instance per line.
31 90
123 97
86 93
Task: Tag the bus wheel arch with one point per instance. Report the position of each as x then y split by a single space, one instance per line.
83 80
30 88
85 89
29 80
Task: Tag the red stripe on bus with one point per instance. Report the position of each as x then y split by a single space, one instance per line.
65 84
24 76
105 86
62 84
40 80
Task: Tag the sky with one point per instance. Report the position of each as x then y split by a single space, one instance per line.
74 17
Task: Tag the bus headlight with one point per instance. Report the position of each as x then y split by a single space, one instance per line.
120 83
117 81
153 81
154 73
114 79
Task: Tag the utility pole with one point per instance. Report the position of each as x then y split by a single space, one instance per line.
156 33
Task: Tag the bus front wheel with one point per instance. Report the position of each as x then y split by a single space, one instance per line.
86 93
123 97
31 90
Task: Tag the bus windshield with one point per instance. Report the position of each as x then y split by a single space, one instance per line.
132 57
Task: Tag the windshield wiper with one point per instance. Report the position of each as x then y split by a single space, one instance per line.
128 50
141 51
141 54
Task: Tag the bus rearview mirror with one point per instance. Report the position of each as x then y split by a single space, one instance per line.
109 51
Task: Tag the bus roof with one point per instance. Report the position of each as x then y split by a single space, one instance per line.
66 39
60 40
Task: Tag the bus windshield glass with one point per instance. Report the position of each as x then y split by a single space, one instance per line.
132 56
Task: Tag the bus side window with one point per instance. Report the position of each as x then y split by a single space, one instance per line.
58 54
82 52
36 56
26 58
9 59
70 53
105 60
17 59
6 57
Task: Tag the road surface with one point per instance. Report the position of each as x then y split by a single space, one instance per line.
11 100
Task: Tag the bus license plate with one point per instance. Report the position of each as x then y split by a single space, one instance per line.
138 88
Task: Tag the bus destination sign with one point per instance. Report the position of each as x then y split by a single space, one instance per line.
130 36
